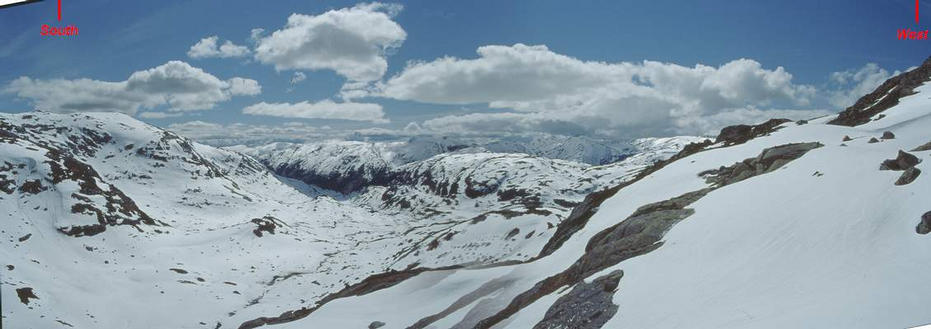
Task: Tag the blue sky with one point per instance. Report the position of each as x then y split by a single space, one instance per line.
823 45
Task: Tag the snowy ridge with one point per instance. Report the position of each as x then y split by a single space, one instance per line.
111 223
180 226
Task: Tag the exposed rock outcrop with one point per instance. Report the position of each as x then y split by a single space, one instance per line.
642 231
582 212
908 176
25 294
923 147
901 162
884 97
924 227
586 306
740 134
769 160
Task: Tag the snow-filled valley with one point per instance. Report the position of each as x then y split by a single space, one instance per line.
111 223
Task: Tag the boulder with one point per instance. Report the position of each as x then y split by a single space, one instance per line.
888 135
924 227
873 140
846 139
902 162
908 176
376 324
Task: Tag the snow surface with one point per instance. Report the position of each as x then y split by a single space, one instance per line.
826 241
790 248
201 264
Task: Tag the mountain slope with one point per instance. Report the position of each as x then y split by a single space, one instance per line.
103 210
796 228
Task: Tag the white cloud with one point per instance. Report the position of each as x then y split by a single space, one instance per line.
256 34
298 77
325 109
351 41
208 48
244 87
176 84
853 84
551 90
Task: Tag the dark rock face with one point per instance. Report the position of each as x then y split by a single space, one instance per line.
888 135
901 162
32 187
924 147
908 176
265 224
25 294
587 306
884 97
846 139
873 140
740 134
924 227
345 182
376 324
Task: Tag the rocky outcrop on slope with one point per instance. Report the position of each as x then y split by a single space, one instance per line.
884 97
924 227
584 211
769 160
904 162
586 306
642 231
739 134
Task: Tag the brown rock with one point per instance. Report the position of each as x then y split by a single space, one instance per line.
901 162
924 227
908 176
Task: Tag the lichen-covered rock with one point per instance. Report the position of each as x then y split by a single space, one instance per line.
924 227
923 147
884 97
771 159
740 134
908 176
586 306
901 162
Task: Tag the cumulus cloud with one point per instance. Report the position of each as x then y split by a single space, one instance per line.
351 41
555 91
325 109
853 84
209 47
176 84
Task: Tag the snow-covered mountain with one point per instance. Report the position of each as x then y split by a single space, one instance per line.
111 223
100 200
